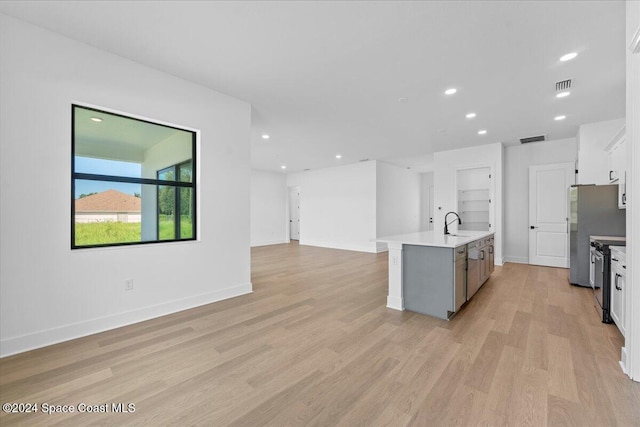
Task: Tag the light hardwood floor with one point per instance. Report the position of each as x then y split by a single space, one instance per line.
315 345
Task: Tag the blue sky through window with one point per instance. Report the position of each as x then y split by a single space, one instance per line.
106 167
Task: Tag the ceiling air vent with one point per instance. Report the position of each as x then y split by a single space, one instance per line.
533 139
363 160
563 85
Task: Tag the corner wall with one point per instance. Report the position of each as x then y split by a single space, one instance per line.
631 363
49 293
338 207
268 208
398 201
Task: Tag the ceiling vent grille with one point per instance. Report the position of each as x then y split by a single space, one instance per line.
563 85
533 139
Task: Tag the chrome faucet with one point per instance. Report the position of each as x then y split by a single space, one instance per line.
446 225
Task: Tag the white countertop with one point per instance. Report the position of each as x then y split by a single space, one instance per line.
609 238
436 238
621 249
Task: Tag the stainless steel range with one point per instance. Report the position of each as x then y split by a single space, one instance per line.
600 271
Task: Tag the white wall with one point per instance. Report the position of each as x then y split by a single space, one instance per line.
445 194
338 207
426 181
592 157
294 179
518 159
49 293
268 208
632 339
398 201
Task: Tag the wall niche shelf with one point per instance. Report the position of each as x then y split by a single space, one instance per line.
474 198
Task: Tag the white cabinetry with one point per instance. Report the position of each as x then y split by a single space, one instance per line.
617 161
618 286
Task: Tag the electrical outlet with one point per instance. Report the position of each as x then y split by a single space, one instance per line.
395 260
128 285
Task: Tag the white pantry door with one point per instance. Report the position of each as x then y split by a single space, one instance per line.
431 208
294 213
548 214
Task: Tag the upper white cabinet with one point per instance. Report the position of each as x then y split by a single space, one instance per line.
617 162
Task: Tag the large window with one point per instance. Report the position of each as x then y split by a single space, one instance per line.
133 181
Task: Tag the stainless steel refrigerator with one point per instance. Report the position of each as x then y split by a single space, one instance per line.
594 211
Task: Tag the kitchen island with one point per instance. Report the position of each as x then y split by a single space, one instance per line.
435 274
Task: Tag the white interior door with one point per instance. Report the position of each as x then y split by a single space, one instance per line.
430 207
294 213
548 214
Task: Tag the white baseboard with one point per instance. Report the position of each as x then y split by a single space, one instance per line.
348 247
516 259
623 361
47 337
269 242
395 303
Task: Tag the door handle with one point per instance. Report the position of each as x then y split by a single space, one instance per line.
532 227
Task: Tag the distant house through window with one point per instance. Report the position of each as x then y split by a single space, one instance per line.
133 181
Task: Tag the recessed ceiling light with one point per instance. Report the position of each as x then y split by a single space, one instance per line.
96 119
265 136
338 156
470 115
402 99
559 118
568 56
450 91
482 132
563 94
283 167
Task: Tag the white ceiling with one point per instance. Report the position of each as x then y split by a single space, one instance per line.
325 77
120 138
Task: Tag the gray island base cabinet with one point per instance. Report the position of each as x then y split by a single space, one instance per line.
435 274
434 279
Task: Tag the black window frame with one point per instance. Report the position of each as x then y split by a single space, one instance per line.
177 200
131 180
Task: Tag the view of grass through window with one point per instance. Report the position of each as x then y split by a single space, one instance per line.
132 181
